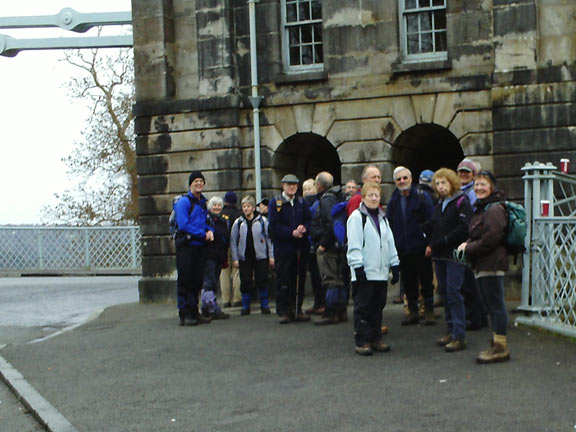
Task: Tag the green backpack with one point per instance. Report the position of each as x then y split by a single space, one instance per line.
516 231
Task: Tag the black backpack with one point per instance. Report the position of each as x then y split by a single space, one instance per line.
173 224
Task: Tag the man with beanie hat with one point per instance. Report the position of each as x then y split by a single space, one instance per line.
192 234
230 276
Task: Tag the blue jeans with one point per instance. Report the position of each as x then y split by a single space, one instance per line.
450 277
492 290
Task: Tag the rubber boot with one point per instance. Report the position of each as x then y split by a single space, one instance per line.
264 306
245 304
497 353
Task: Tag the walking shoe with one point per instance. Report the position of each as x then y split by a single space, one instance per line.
364 350
205 312
455 345
220 316
411 319
397 300
380 346
236 304
203 320
498 352
384 330
188 322
327 320
315 311
343 316
227 305
429 319
444 340
300 317
283 320
245 312
265 311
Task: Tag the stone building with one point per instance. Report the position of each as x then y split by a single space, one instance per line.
420 83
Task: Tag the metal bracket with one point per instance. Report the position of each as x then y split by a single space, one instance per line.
255 101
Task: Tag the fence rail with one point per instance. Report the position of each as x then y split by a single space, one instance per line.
70 250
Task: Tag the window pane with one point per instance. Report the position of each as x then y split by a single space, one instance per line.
294 36
319 53
440 20
316 9
440 39
410 4
413 47
317 32
306 34
438 3
425 21
424 3
307 54
304 9
426 42
294 56
291 13
412 23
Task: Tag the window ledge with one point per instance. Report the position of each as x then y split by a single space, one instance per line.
421 66
300 77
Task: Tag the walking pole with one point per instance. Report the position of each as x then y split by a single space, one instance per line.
297 282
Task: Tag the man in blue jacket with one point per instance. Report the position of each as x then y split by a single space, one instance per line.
192 234
408 210
289 219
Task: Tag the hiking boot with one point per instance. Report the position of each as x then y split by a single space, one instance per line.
429 319
380 346
203 320
444 340
300 317
205 312
236 304
364 350
265 311
343 316
227 305
315 311
283 319
245 312
397 300
188 322
384 330
220 316
455 345
498 352
327 320
411 319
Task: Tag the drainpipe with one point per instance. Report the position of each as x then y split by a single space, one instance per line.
255 99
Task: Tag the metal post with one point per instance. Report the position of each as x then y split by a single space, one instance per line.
87 248
255 99
40 251
528 240
133 241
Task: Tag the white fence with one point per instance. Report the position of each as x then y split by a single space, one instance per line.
70 250
549 270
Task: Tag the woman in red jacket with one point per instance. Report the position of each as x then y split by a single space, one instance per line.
486 251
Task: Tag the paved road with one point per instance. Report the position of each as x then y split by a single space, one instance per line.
32 308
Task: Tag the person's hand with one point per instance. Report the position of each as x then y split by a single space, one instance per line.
360 274
209 236
271 262
236 264
462 247
395 274
321 249
302 229
296 234
428 252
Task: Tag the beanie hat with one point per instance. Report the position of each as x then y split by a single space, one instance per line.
194 175
230 198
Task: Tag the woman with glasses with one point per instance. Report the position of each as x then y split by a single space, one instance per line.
447 229
487 253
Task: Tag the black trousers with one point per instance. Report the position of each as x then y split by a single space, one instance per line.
253 270
316 279
190 267
369 302
476 311
290 283
416 271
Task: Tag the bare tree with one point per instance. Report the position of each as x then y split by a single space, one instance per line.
104 161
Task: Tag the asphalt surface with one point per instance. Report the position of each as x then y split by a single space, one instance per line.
134 369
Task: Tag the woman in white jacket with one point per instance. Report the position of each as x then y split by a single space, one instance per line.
371 256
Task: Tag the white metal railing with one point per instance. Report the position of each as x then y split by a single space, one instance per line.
70 249
549 273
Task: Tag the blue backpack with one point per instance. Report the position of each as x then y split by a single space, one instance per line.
339 218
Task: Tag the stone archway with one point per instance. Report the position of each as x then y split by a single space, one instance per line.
427 146
306 154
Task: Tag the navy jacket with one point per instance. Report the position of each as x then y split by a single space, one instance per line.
285 218
409 230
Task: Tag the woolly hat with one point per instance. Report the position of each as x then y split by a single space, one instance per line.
194 175
230 198
467 165
426 176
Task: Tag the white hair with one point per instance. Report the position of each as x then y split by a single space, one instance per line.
213 201
398 169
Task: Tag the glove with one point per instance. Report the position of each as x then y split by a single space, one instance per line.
360 274
395 274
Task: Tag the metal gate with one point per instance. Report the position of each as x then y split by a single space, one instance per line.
549 270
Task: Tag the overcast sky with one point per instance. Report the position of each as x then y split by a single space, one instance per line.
38 121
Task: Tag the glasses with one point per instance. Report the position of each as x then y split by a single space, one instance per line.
402 178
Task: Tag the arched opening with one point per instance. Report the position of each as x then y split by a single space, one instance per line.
306 154
427 146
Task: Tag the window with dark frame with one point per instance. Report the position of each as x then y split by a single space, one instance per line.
423 30
302 21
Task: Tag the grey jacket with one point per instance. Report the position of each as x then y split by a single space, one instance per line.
262 242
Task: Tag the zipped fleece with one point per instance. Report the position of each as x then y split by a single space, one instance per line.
369 249
262 243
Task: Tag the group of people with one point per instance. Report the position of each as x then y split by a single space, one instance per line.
447 224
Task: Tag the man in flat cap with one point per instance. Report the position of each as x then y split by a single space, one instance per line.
192 234
289 218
